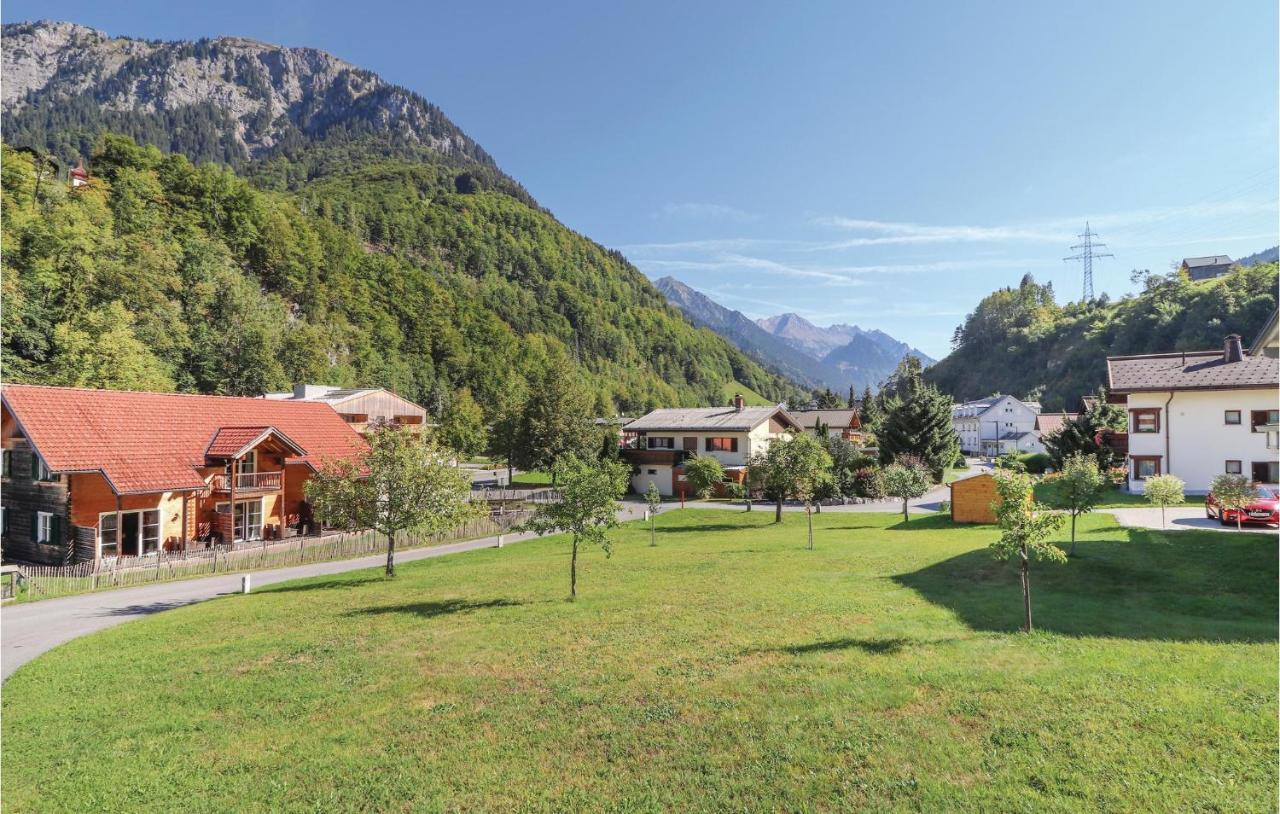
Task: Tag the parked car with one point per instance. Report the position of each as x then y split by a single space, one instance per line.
1265 508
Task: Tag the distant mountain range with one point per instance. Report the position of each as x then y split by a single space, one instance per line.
1265 256
836 356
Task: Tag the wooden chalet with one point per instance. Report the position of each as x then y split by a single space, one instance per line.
93 474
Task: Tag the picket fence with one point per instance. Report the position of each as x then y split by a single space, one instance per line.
45 582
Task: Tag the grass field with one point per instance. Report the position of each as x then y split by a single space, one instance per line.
1116 499
532 478
751 397
727 669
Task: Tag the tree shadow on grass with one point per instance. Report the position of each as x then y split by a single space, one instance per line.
1184 587
429 609
325 585
874 647
699 528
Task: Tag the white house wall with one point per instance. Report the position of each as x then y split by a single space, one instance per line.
1200 442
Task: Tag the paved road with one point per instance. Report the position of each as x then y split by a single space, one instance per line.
29 629
1176 519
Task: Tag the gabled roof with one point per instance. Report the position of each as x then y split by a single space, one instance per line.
153 442
1049 423
1202 370
694 419
1269 336
234 442
1211 260
832 418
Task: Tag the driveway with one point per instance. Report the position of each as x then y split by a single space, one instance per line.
1179 518
32 628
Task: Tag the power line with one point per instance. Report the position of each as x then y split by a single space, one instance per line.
1086 255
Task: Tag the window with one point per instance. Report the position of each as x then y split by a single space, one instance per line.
407 419
42 472
1231 417
248 519
1146 419
652 471
1259 419
1266 471
661 442
722 445
107 534
1233 468
6 463
1145 466
46 528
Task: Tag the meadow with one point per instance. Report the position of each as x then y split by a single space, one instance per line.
726 669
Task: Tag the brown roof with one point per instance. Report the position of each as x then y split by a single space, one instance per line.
709 419
154 442
1049 423
1202 370
832 418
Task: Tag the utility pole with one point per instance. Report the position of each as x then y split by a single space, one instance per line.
1085 254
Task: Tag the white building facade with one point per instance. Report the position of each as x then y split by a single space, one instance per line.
996 426
1199 415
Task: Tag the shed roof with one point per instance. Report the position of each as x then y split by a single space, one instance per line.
153 442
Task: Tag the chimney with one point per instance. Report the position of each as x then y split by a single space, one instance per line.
1232 350
739 402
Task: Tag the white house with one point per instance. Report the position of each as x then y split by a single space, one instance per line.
996 426
665 438
1197 415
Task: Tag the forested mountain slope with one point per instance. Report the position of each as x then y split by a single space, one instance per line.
1022 342
352 236
162 274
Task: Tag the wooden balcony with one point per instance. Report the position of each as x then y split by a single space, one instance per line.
249 483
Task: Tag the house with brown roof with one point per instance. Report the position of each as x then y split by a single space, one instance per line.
96 474
1203 268
839 423
664 439
1199 414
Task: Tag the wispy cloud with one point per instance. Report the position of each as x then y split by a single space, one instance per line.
882 233
707 211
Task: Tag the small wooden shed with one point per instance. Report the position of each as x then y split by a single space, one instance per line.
971 499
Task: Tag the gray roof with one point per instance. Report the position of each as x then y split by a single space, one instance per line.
1212 260
708 418
1203 370
832 418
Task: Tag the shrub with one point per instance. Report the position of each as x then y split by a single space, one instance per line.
1010 461
1035 462
733 490
867 483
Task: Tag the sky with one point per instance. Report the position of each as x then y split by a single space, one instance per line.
881 164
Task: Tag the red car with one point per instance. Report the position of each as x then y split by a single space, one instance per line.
1265 508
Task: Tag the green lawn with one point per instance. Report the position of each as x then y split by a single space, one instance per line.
1115 498
751 397
532 479
728 669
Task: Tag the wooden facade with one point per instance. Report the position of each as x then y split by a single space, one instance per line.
973 499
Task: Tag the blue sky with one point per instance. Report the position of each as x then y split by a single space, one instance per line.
882 164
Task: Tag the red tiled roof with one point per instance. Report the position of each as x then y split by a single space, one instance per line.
151 442
230 442
1049 423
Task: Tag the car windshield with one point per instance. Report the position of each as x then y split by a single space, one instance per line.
1266 493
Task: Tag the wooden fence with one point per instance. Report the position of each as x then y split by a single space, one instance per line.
518 495
44 582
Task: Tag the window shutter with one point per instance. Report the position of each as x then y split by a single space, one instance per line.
35 527
55 529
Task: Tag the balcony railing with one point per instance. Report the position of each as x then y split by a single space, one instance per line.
249 482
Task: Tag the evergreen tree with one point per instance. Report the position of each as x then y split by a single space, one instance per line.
870 413
852 401
918 422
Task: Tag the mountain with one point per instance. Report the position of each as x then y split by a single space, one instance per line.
338 229
1270 255
227 99
773 352
803 334
836 357
1021 341
870 357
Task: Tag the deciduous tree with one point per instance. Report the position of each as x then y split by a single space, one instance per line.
1163 491
1025 527
906 479
1077 489
403 483
654 500
702 473
1232 492
587 509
